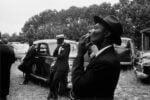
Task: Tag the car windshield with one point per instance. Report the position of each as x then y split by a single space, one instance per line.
73 49
125 43
20 47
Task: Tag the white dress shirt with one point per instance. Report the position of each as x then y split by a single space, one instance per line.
60 49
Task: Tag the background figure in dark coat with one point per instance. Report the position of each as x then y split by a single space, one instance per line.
99 80
7 57
28 60
61 67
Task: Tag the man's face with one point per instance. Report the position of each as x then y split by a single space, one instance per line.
60 40
98 33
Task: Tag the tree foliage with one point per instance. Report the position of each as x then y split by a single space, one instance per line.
134 16
74 22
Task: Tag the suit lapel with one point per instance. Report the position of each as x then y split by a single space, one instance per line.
99 57
63 46
92 61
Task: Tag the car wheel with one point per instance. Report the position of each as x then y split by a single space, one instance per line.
34 68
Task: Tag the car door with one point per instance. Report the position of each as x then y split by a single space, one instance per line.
124 52
42 61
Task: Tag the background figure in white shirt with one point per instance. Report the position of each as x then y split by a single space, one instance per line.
61 67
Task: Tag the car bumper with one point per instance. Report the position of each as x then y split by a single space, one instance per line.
141 74
125 63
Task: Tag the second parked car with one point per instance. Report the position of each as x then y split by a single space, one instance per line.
126 52
142 70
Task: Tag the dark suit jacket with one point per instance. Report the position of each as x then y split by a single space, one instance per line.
100 78
29 59
62 58
7 57
30 54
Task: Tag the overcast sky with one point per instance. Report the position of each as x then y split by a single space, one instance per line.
14 13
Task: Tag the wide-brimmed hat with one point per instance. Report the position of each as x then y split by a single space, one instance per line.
113 25
60 36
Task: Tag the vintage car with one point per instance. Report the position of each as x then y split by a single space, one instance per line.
126 52
44 59
20 49
142 70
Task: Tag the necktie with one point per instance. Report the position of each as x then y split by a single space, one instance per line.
59 50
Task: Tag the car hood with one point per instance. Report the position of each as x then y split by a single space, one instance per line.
146 61
146 54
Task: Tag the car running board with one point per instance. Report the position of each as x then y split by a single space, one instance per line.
38 77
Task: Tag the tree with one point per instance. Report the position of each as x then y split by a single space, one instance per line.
134 16
74 22
5 35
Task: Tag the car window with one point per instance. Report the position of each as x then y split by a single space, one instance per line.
128 45
124 47
124 43
52 47
146 43
43 49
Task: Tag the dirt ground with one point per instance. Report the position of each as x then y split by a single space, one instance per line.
128 88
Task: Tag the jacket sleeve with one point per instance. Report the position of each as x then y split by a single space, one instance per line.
78 69
55 54
13 57
81 78
95 76
30 54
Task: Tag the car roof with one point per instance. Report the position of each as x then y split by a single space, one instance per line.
125 38
52 41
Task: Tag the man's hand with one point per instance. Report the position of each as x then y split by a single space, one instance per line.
82 49
94 51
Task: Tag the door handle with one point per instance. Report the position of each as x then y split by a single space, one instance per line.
36 57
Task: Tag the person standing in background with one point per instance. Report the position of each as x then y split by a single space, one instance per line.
7 58
28 61
61 68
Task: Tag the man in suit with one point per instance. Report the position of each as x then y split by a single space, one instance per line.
99 80
61 67
7 58
28 61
